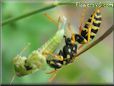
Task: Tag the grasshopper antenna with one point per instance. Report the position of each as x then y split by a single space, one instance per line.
24 48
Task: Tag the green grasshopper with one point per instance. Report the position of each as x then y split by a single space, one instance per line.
37 60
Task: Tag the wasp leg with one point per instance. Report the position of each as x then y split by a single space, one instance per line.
59 57
73 39
53 76
52 71
72 34
52 20
81 45
81 23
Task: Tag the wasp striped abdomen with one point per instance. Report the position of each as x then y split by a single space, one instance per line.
92 25
90 28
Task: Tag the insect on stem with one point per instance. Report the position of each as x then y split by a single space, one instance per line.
37 60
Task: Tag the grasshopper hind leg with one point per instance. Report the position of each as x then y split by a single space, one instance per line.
52 20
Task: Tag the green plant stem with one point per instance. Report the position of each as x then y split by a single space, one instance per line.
27 14
55 4
97 40
34 12
50 7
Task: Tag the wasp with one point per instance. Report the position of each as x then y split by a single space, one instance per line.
66 54
64 57
69 51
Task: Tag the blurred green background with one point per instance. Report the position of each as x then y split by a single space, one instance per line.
93 67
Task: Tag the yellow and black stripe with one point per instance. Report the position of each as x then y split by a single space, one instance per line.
92 25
